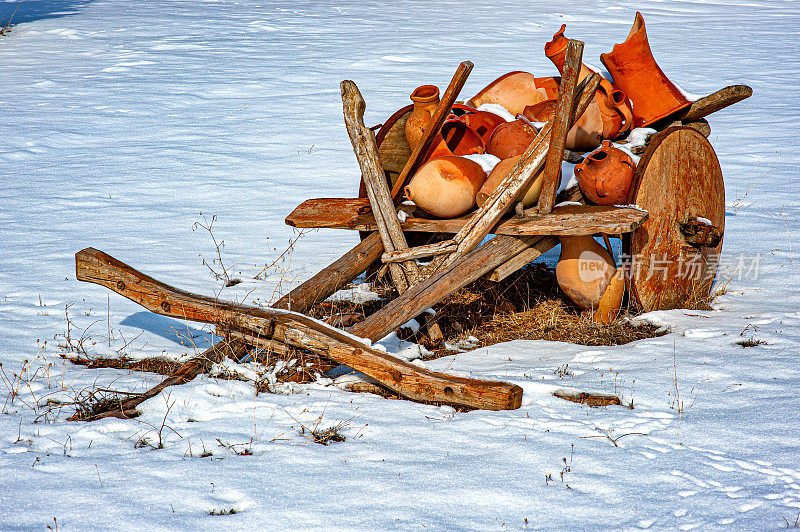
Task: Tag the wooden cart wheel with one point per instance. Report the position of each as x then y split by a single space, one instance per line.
673 256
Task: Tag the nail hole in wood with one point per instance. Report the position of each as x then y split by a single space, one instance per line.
165 306
120 285
448 391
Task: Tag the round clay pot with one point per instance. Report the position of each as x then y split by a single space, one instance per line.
425 99
515 91
636 72
585 135
611 300
529 195
584 270
511 139
446 187
605 176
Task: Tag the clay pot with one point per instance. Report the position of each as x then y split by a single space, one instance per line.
515 91
635 71
605 176
511 139
460 138
529 195
611 300
483 123
613 104
446 187
584 270
585 135
425 99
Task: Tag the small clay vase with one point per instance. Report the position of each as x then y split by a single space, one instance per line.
511 139
585 135
611 300
529 195
636 72
605 176
515 91
613 104
584 270
445 187
425 99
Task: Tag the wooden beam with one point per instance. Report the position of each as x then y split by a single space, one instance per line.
418 252
715 101
520 260
296 330
432 130
406 273
562 122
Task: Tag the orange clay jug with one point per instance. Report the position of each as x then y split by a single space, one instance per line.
605 175
426 99
584 270
515 91
635 71
445 187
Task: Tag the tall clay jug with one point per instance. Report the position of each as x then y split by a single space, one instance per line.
584 270
426 99
636 72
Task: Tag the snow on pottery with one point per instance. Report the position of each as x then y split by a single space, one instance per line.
636 72
515 91
605 175
584 270
585 135
425 99
446 187
529 195
613 104
511 139
611 300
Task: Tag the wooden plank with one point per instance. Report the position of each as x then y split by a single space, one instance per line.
432 131
418 252
296 330
562 122
522 259
715 101
328 212
332 278
405 273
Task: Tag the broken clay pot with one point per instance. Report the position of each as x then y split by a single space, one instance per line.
446 187
585 135
611 300
636 72
529 195
515 91
511 139
584 270
605 176
483 123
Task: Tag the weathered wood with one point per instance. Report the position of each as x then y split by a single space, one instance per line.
432 130
405 273
441 284
482 222
677 180
564 220
192 368
562 122
428 250
334 277
393 148
296 330
716 101
329 212
522 259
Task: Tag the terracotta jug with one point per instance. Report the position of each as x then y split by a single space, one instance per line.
425 99
605 176
529 195
446 187
635 71
584 270
613 104
585 135
516 90
611 300
511 139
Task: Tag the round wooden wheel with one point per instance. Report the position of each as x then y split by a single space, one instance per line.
673 256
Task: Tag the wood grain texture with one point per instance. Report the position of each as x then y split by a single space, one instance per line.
716 101
405 273
439 116
332 278
523 258
677 179
562 122
296 330
418 252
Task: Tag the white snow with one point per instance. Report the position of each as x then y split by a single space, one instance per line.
123 121
499 110
486 160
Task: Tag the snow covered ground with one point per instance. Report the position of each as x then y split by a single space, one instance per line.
121 122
